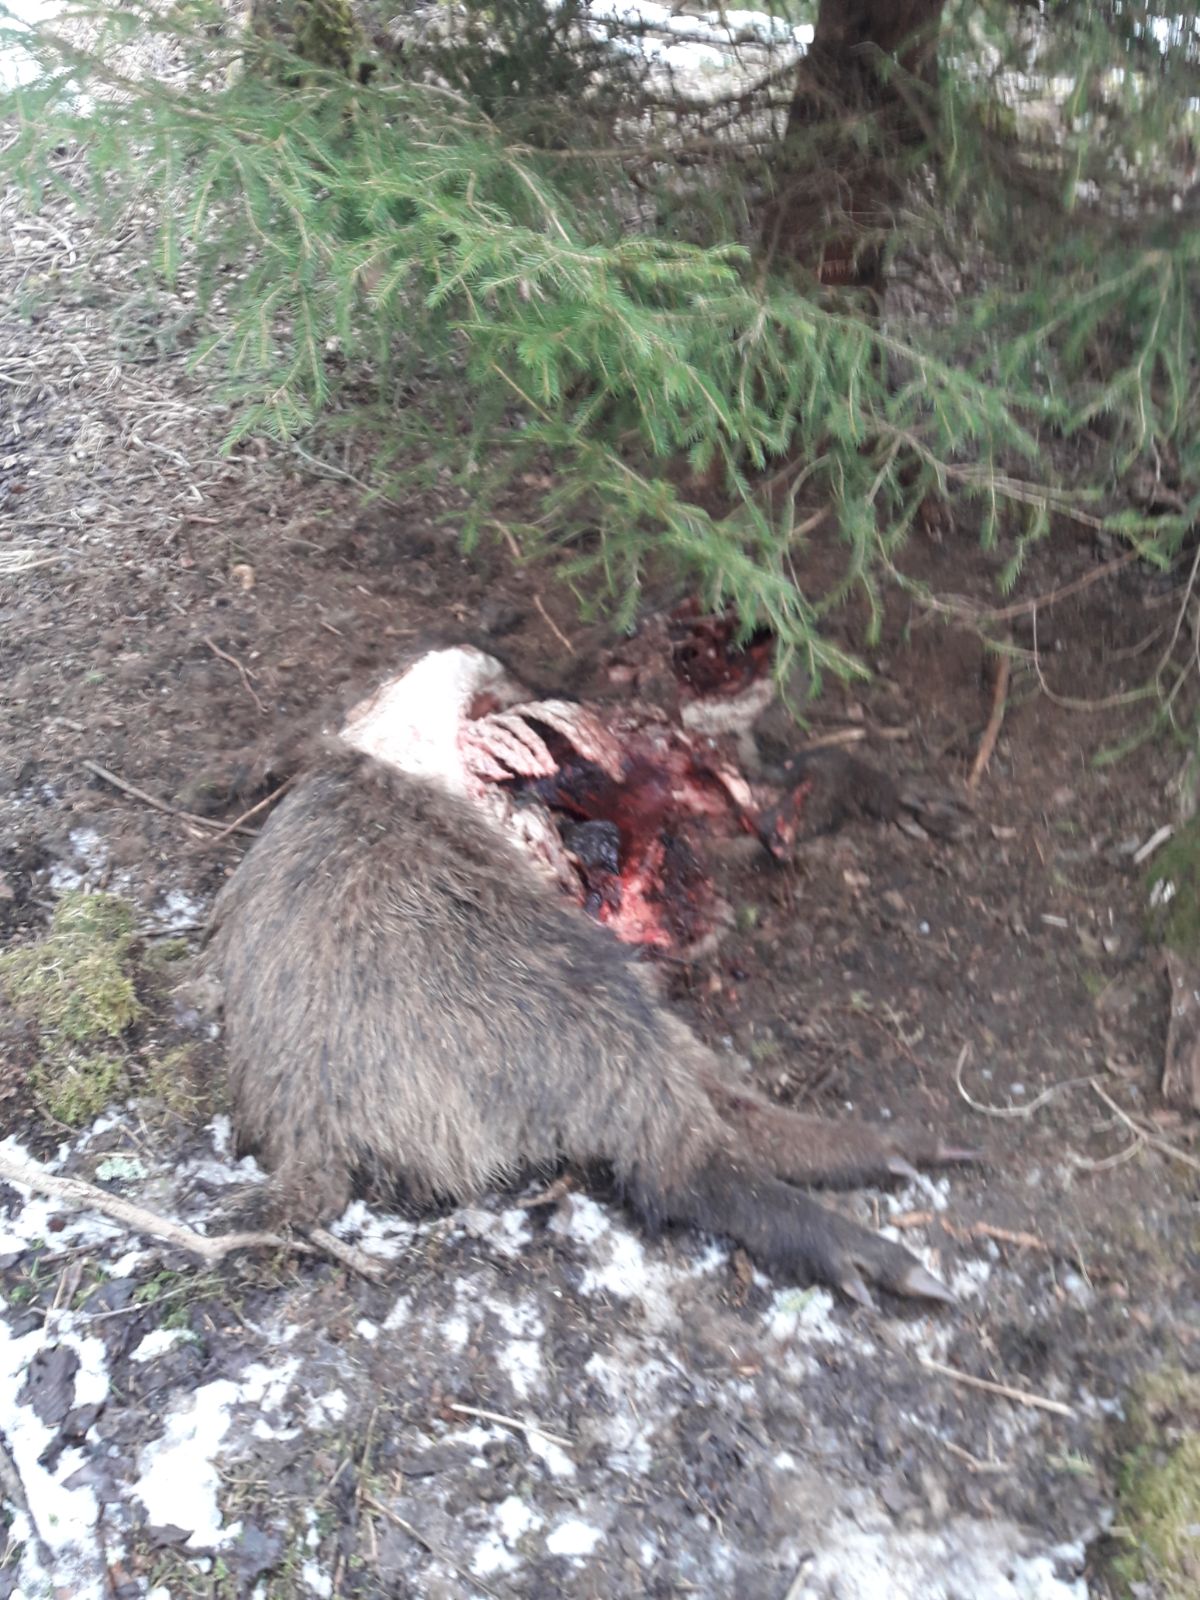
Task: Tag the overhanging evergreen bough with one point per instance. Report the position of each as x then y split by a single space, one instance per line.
331 226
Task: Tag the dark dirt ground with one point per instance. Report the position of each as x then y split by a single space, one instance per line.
163 609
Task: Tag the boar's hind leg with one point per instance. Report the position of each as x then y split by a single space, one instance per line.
787 1232
813 1150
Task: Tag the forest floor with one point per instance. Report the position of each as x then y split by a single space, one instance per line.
670 1423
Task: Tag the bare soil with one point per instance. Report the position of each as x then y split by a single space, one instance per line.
168 613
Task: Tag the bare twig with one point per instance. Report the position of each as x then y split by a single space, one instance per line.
161 805
971 1230
1022 608
911 1219
540 608
1163 1146
427 1543
78 1192
990 1230
1022 1397
1014 1112
360 1261
234 662
972 1462
236 825
14 562
829 741
1157 838
502 1421
992 732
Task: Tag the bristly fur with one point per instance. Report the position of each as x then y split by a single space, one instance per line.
409 1002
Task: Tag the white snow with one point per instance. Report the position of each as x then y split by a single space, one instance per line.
158 1341
985 1560
494 1553
321 1583
620 1264
491 1556
573 1538
179 1480
64 1519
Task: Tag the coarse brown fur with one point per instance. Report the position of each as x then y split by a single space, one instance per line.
408 1002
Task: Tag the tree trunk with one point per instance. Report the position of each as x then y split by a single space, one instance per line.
863 107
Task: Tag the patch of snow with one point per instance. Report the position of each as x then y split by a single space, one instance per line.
620 1263
634 1386
325 1408
986 1560
321 1583
514 1518
379 1235
921 1192
491 1555
400 1314
127 1265
366 1330
522 1357
89 858
804 1314
177 912
573 1538
558 1462
969 1279
456 1330
158 1341
522 1361
63 1519
506 1231
179 1479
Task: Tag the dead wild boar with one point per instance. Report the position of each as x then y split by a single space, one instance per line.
409 1002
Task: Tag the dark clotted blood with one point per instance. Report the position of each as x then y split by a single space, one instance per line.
626 840
707 657
634 793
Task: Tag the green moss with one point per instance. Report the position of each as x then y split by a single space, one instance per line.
74 1089
326 33
1159 1488
163 954
76 984
1177 868
175 1079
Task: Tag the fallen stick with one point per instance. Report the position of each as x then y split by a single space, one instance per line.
502 1421
1163 1146
540 608
973 1463
236 825
992 732
161 805
1023 1397
367 1266
78 1192
434 1549
233 661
